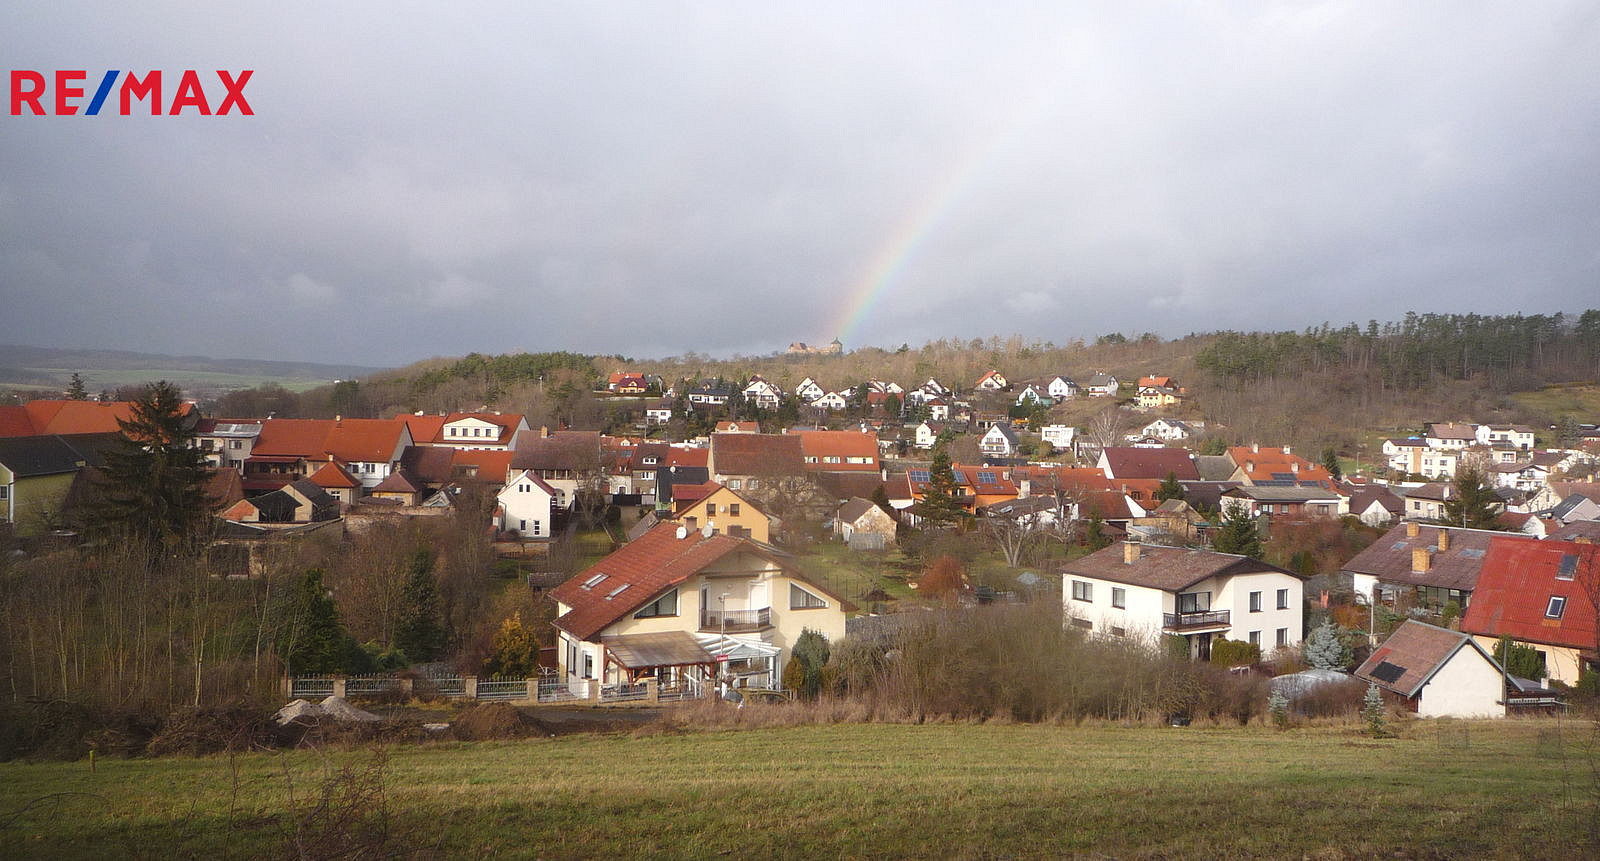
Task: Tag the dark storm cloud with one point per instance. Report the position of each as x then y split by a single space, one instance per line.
650 178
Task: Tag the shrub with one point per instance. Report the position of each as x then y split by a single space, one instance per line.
1234 653
1278 707
1374 712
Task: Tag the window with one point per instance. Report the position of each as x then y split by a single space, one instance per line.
1255 638
1569 566
711 509
572 659
1556 607
5 491
1119 632
1283 599
1283 637
1119 597
618 591
800 599
1082 591
733 484
733 509
537 527
236 444
588 666
593 581
1194 602
1255 602
666 605
522 525
1085 624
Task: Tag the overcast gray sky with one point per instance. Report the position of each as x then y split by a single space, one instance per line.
651 178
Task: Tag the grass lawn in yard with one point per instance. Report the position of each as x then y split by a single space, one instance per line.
1443 789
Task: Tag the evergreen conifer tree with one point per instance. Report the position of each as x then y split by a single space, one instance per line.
1330 461
516 652
155 478
940 507
420 635
1473 504
1238 533
311 637
1324 649
76 390
1170 488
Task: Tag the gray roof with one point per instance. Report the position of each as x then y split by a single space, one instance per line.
1275 493
1214 467
55 454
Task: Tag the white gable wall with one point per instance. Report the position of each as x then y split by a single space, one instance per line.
1467 686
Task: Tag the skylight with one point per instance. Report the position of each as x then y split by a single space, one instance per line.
618 591
593 581
1569 567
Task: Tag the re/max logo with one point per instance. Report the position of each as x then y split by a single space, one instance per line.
28 89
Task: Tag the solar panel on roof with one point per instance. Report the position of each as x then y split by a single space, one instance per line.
919 475
985 477
1283 476
1398 545
1472 553
1387 672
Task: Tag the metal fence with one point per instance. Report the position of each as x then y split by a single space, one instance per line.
496 688
305 687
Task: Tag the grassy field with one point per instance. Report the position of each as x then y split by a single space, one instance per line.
1458 790
1581 400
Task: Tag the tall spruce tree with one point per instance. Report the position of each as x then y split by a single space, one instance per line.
1330 462
1170 488
419 634
940 505
1472 504
1238 533
154 488
311 637
76 390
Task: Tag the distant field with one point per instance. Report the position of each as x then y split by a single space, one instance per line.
95 380
1580 400
1447 790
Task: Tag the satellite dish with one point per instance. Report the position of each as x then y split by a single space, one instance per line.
683 532
708 530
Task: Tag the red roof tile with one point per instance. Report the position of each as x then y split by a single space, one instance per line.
820 445
1128 462
1414 652
1515 586
758 454
333 475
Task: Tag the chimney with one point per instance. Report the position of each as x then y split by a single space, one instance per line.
1419 560
1286 450
1130 552
1294 466
1444 540
1249 466
1413 530
1583 539
1255 448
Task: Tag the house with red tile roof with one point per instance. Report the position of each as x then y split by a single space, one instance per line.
1541 594
839 451
992 381
337 483
1258 465
1141 462
525 505
290 449
39 418
683 608
467 431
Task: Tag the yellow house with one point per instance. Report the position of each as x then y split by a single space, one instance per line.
687 608
726 512
36 472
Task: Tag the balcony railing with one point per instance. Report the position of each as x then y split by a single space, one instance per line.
736 620
1187 621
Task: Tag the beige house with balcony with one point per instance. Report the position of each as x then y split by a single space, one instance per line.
687 608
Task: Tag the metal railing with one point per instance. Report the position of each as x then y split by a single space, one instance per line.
307 687
1211 619
621 693
498 688
736 620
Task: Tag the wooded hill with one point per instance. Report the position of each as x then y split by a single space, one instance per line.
1321 386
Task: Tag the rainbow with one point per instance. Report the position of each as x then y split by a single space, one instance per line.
892 256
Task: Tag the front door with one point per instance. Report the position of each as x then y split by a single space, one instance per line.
1202 644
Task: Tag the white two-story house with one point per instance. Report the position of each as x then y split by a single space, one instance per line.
1144 590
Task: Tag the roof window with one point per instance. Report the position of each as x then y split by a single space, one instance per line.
593 581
